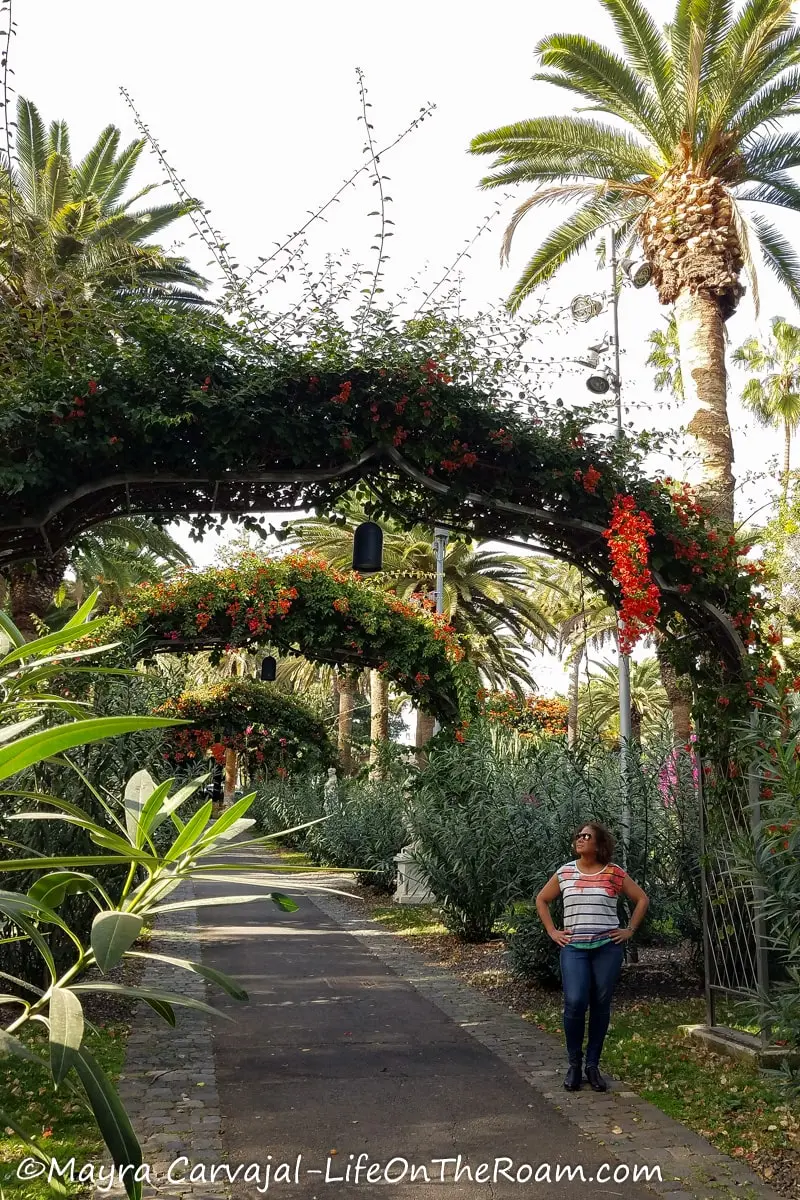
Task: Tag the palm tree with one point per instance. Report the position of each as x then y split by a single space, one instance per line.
665 359
486 595
695 136
582 617
119 555
600 696
67 225
774 396
114 556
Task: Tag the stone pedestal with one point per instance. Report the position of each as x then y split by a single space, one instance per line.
412 886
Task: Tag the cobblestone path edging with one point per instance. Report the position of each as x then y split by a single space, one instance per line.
635 1131
168 1083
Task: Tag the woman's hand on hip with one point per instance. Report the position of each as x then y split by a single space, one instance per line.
621 935
561 937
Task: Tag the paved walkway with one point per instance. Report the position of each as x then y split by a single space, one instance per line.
355 1053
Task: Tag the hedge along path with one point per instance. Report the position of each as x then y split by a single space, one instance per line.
300 605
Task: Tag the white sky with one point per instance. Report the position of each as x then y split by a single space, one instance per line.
257 107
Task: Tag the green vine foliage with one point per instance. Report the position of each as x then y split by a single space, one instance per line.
183 414
273 732
298 604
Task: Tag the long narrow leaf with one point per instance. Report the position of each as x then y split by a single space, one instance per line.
66 1030
210 973
139 993
38 746
112 934
112 1120
43 645
190 833
11 631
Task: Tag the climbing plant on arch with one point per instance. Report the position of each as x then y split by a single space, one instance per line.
270 731
182 415
298 604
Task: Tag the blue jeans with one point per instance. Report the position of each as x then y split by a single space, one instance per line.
589 978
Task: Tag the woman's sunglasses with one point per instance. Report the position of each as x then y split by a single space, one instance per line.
587 836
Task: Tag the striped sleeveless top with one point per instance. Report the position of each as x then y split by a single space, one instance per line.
590 903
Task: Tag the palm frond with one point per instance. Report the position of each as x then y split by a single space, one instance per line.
605 79
119 175
31 151
779 255
91 170
570 237
576 145
773 103
742 226
646 48
58 140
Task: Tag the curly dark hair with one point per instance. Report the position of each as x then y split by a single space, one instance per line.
603 840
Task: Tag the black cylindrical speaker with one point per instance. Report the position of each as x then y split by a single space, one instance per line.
368 548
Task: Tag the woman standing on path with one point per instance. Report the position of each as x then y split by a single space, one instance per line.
591 943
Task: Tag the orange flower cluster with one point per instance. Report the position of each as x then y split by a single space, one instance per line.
527 714
589 478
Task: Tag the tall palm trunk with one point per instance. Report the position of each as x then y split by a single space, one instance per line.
574 684
702 354
677 689
787 458
231 769
422 735
32 586
379 721
347 699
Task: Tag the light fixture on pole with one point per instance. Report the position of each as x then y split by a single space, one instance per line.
585 308
440 539
637 271
601 383
368 548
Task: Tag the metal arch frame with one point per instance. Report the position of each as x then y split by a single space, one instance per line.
354 469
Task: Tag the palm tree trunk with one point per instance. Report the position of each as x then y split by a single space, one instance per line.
787 458
347 699
574 684
677 689
231 768
702 354
422 735
379 722
32 586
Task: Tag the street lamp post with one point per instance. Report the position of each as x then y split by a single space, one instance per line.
624 662
440 538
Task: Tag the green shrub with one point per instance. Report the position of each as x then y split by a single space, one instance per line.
283 804
366 827
532 953
466 826
493 821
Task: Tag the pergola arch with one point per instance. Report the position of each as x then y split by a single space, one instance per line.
299 605
190 421
269 730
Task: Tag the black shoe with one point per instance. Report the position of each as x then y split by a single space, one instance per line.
573 1080
595 1079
